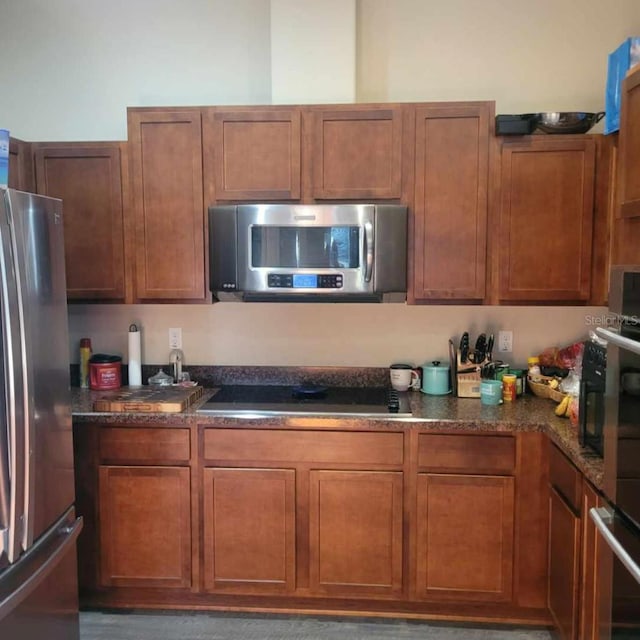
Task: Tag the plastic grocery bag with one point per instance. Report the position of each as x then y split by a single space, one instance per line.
620 61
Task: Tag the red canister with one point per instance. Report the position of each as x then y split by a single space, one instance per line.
105 372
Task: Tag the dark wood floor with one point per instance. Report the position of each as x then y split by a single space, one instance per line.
202 626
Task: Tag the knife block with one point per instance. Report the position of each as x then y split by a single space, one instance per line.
468 377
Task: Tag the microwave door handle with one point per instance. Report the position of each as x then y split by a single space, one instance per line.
369 246
600 516
618 340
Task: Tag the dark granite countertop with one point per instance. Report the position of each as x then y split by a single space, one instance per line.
430 413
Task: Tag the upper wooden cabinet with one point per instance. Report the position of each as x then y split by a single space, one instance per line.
629 162
252 153
168 205
87 177
355 151
20 165
450 207
546 219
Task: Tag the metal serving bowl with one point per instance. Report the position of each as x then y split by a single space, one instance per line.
567 121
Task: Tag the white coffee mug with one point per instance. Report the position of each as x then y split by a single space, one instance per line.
403 377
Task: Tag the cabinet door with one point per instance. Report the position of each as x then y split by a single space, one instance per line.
357 153
590 592
249 530
629 163
355 532
88 180
20 165
546 219
564 568
465 537
145 526
450 213
255 153
167 191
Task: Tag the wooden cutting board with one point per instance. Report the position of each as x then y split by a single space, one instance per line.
148 399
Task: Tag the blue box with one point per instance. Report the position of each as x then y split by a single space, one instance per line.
4 158
620 61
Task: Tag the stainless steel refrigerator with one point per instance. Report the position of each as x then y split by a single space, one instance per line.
38 526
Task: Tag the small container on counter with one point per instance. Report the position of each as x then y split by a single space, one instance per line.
105 372
85 355
533 365
520 376
509 387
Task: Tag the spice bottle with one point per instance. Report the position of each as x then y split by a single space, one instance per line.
533 364
85 354
508 387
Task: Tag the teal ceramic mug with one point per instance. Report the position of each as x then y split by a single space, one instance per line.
491 391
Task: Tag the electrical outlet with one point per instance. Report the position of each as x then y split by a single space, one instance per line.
505 341
175 338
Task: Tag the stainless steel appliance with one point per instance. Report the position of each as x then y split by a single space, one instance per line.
38 527
619 521
592 395
308 253
307 399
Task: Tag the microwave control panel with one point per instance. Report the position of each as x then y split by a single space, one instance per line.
305 280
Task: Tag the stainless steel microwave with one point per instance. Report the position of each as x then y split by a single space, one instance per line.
308 253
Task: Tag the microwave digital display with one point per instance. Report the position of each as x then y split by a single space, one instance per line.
305 281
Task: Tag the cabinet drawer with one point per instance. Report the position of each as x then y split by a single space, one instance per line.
273 445
466 454
144 445
565 478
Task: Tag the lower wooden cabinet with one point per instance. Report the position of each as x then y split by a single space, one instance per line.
355 532
249 530
564 565
144 526
589 623
465 537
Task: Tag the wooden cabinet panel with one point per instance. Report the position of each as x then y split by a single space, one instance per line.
465 530
546 218
565 478
277 445
255 153
590 584
168 207
87 178
139 445
564 566
145 527
466 454
20 166
356 532
451 191
249 530
629 162
357 152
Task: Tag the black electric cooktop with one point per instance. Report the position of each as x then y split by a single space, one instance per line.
307 399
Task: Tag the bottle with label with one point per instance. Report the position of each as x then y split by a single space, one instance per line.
508 387
533 364
85 354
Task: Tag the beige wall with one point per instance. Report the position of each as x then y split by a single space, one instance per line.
70 68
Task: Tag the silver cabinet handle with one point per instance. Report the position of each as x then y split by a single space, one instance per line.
369 246
618 340
599 515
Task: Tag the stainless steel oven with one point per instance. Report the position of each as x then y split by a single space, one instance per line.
618 522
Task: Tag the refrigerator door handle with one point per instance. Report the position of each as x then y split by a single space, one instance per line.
600 517
65 538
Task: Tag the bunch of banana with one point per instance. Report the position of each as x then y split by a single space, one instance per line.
563 408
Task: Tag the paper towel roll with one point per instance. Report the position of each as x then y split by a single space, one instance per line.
135 359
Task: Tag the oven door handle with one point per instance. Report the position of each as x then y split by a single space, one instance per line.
600 517
369 248
618 340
